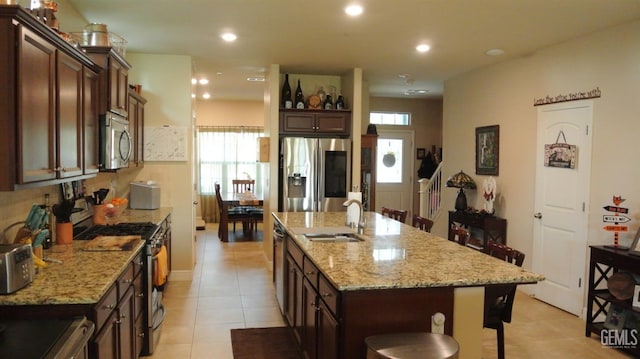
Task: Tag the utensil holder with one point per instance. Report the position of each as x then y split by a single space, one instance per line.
98 214
64 233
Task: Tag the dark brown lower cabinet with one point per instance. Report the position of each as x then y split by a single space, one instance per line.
117 338
332 324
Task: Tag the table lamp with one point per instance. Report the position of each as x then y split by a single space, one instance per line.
461 180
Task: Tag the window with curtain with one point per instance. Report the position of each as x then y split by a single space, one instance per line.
227 153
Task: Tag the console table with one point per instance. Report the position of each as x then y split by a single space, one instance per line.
481 226
604 262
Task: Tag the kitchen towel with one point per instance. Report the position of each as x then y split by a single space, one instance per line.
353 211
160 267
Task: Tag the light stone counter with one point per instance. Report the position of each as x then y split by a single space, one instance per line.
395 255
83 277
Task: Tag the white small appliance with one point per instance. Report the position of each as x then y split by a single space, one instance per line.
144 195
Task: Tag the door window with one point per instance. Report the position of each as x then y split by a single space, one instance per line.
389 161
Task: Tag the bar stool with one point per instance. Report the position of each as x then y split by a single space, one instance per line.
411 346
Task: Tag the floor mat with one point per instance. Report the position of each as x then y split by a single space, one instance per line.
264 343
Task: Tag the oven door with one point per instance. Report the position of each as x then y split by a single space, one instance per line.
115 141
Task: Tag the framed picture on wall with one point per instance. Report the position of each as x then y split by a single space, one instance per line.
487 150
421 153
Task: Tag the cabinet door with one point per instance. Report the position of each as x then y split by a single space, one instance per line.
293 302
106 343
126 327
309 315
332 122
118 83
90 103
69 93
297 123
327 333
36 103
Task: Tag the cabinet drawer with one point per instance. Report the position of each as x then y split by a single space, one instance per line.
138 263
138 293
294 251
329 294
125 280
311 272
106 306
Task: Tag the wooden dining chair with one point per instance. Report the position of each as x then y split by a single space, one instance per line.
459 235
234 215
498 299
242 185
422 223
397 214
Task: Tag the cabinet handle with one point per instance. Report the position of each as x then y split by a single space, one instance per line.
110 306
123 316
141 335
309 273
62 169
118 321
326 295
128 281
141 294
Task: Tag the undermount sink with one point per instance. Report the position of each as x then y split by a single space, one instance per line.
333 237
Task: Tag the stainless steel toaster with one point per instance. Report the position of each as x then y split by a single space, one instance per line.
16 267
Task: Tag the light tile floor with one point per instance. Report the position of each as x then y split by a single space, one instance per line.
232 288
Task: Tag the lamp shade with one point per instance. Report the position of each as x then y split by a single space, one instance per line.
461 180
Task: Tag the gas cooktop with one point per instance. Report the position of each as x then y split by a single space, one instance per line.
143 229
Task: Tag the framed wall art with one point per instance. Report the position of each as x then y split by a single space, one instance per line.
487 150
421 153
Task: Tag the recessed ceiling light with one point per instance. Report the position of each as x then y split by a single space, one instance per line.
229 37
219 73
423 91
194 81
255 79
203 81
193 95
206 96
423 48
495 52
353 10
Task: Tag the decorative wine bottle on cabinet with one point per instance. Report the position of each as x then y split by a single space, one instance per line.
287 102
328 103
299 97
340 103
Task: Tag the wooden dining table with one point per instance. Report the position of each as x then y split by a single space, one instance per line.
232 199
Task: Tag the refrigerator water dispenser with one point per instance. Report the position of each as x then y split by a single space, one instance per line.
296 186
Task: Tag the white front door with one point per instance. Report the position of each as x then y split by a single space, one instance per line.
561 202
394 170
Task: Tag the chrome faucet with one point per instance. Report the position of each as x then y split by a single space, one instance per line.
361 222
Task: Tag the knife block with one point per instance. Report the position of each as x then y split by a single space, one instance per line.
64 233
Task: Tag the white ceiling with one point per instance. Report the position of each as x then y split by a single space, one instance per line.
316 37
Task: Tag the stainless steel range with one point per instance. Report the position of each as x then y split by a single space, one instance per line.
153 235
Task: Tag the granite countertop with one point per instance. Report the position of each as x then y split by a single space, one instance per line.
83 277
396 255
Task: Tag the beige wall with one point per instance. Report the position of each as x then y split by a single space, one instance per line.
166 84
426 122
230 113
503 95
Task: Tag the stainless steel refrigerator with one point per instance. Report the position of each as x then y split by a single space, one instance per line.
315 174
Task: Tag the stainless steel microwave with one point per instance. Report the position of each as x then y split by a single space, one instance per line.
115 141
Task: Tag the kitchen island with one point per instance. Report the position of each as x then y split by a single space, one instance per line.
393 279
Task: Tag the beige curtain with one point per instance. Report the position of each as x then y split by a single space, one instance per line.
209 208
